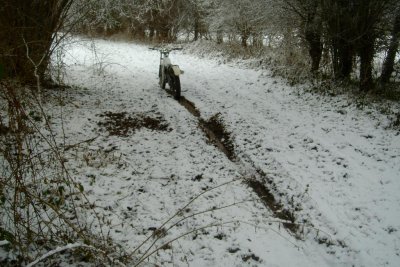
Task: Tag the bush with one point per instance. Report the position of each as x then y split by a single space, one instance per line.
42 206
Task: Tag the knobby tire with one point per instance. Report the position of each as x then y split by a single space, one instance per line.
176 86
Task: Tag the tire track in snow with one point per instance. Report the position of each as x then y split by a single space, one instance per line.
250 174
263 185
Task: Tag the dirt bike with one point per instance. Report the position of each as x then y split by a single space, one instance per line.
169 73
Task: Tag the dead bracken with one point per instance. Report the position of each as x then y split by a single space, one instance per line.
122 124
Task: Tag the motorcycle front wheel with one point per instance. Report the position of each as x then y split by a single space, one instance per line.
175 85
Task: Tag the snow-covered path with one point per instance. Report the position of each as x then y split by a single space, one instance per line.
340 163
335 163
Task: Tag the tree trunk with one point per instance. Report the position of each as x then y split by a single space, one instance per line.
257 40
151 33
346 55
196 29
343 54
340 32
366 52
313 26
368 17
164 34
27 29
139 33
220 38
315 49
244 37
388 64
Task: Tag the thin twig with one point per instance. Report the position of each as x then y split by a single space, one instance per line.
68 247
36 66
180 211
180 236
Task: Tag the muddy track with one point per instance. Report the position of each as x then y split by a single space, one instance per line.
255 178
217 134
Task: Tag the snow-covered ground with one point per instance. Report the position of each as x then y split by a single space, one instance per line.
336 164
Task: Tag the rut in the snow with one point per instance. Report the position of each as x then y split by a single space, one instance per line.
217 133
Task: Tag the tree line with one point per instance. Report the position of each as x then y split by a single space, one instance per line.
348 33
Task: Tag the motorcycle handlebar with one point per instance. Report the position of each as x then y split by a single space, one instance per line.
163 49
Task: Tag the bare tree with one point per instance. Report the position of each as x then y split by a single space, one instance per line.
368 15
388 64
340 33
309 14
27 32
195 15
352 29
245 19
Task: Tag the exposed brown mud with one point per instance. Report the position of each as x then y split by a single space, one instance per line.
277 208
122 124
189 106
214 129
217 133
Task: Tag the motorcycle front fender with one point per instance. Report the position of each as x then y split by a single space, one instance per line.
177 71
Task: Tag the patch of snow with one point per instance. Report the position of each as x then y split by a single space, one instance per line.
336 163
